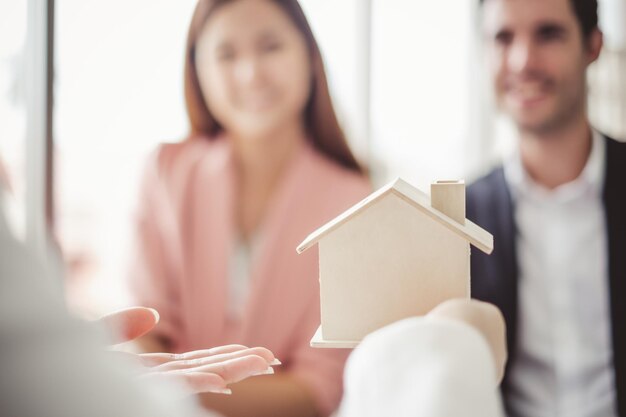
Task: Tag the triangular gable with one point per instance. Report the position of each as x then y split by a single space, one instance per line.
474 234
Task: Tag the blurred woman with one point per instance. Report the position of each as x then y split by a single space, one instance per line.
222 212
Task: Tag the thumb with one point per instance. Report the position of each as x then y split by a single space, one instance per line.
131 323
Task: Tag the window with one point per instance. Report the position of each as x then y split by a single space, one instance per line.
13 25
118 94
422 89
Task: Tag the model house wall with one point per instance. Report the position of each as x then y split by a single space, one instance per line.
394 255
387 258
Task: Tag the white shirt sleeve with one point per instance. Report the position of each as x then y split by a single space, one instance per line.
422 367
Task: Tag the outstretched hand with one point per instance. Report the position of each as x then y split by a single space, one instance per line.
210 370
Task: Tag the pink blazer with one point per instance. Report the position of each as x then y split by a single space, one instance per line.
185 235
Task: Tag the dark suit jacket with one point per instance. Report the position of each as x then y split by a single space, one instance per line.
494 277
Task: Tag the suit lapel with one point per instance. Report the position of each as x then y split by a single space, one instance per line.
211 229
275 257
494 277
505 232
615 210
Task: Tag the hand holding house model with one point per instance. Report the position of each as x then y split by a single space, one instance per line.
396 254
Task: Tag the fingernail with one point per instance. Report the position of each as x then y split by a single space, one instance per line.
226 391
275 362
157 317
268 371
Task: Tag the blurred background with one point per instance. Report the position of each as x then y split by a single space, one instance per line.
88 88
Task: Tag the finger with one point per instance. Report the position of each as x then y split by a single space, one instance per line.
190 363
159 358
130 323
234 370
218 350
194 382
199 382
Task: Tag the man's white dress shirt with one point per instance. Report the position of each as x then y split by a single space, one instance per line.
564 364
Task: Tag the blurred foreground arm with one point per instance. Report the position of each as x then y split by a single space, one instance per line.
55 365
448 363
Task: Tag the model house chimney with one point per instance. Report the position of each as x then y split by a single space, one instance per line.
449 198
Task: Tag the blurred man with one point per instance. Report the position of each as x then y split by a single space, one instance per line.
558 214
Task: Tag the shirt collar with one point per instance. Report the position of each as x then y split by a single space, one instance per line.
591 177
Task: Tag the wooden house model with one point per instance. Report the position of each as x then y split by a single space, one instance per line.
398 253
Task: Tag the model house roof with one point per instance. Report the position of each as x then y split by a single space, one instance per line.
474 234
